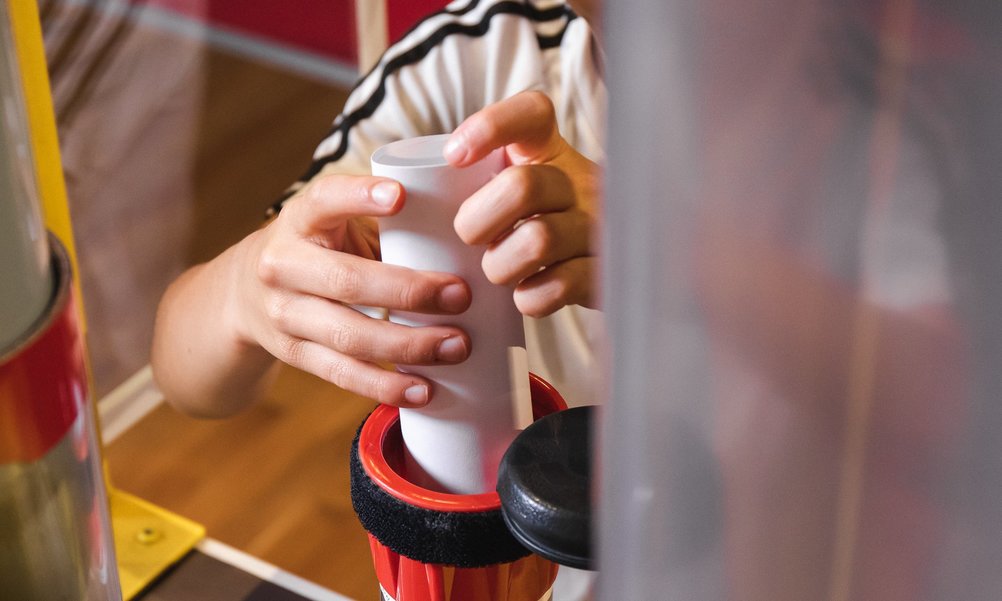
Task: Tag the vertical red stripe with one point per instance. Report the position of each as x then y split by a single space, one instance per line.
326 27
43 386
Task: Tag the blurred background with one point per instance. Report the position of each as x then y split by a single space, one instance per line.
180 122
804 336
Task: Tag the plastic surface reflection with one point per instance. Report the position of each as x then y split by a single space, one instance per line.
56 541
24 251
805 271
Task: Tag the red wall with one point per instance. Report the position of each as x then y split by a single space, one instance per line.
326 27
402 14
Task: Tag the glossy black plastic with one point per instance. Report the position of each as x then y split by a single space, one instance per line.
544 483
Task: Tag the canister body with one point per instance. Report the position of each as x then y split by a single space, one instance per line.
457 441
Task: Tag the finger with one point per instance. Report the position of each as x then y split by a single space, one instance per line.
351 333
527 122
360 377
312 269
536 244
517 193
328 200
567 283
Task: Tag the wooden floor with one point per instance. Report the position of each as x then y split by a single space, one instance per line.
272 481
172 151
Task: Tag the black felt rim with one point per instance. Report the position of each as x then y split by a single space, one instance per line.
461 539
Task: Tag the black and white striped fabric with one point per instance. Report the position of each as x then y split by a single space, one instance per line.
453 63
456 61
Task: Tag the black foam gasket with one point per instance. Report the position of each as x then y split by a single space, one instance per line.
456 538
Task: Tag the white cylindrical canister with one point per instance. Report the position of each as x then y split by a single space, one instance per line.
457 441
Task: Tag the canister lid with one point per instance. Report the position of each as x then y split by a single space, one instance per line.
544 483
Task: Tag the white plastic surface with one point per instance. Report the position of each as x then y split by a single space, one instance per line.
457 441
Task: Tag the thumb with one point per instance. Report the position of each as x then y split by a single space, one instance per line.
329 200
524 124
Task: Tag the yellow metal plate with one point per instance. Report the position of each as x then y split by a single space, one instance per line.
148 540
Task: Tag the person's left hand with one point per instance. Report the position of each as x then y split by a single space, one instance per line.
537 216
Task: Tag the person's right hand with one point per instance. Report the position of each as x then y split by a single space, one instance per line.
320 255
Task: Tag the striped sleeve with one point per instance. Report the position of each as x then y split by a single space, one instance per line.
449 65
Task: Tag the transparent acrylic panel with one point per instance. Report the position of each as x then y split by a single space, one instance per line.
55 534
24 252
803 276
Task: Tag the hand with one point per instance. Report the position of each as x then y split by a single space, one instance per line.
319 256
536 217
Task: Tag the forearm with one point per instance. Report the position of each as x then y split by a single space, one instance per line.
202 363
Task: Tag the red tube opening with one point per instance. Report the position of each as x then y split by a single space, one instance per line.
380 449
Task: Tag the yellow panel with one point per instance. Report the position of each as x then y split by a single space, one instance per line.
148 540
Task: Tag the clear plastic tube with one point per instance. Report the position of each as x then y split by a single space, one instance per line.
803 271
25 281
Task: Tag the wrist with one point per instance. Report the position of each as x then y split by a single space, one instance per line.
234 274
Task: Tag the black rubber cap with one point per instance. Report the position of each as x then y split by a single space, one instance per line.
544 483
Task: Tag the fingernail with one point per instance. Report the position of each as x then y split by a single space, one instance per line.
451 349
417 394
386 193
454 150
453 298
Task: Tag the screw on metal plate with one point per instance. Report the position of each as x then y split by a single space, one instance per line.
149 535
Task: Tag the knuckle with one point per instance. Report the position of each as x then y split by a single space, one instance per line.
406 294
494 268
521 184
487 129
303 203
464 229
344 337
276 308
344 280
290 208
541 303
522 180
269 267
318 196
536 307
414 294
561 291
542 105
314 193
370 384
536 240
380 387
337 371
292 351
416 351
